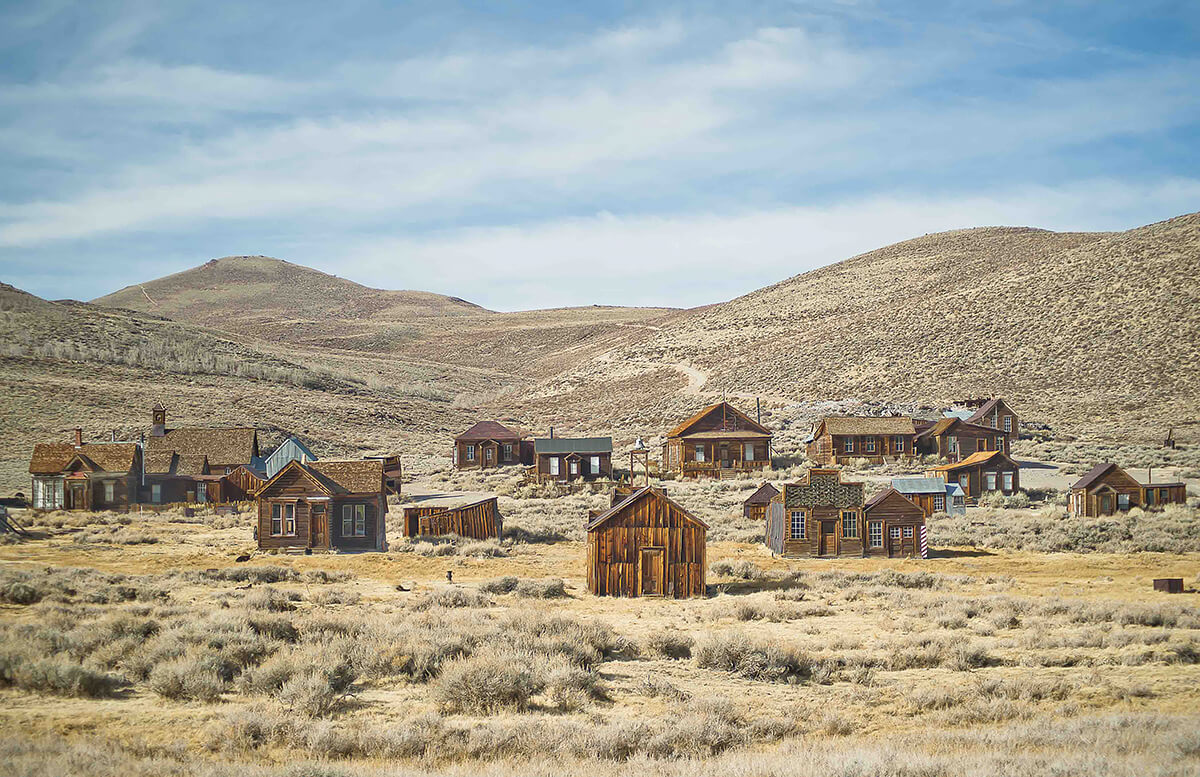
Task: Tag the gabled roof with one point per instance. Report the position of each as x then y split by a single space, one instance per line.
961 415
749 424
979 457
884 494
642 492
851 425
947 424
54 457
1094 474
763 495
489 430
986 408
916 485
362 476
572 445
222 446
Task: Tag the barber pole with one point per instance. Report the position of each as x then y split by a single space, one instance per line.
924 542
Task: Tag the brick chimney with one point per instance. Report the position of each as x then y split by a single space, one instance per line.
159 426
78 437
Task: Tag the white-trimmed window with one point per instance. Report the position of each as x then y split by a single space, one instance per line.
749 451
875 534
1008 481
989 480
1000 443
939 502
699 452
898 443
487 454
470 453
799 525
354 520
508 451
849 523
283 519
573 467
958 501
894 532
848 445
1008 423
553 465
908 532
870 445
595 465
156 493
201 492
110 492
48 493
952 444
1122 501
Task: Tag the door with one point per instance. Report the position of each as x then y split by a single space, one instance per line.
653 572
1105 504
77 496
828 538
895 542
318 526
726 463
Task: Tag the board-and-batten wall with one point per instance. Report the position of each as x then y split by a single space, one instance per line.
615 549
480 520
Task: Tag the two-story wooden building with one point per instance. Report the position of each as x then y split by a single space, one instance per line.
954 439
982 473
838 439
84 476
323 505
491 444
718 441
997 414
568 459
1107 489
819 516
190 463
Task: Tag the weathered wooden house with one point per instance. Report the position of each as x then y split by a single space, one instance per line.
819 516
567 459
323 505
838 439
393 471
755 506
190 464
479 520
84 476
490 444
895 526
241 484
954 439
932 495
997 414
1108 489
982 473
718 441
647 545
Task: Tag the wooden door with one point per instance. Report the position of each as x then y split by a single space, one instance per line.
895 542
828 538
318 526
76 496
726 463
653 572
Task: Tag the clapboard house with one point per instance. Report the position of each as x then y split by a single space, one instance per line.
954 439
490 444
996 414
569 459
755 506
718 441
84 476
323 505
190 464
895 526
646 545
819 516
838 439
479 519
1107 489
982 473
932 495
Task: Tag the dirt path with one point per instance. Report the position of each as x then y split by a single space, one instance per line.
695 378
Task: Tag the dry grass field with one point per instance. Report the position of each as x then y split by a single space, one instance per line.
135 644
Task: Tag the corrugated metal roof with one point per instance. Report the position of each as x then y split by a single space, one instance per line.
919 485
572 445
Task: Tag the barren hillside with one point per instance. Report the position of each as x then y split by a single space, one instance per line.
1090 332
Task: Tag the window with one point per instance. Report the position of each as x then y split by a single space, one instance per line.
958 501
1000 443
48 493
574 466
595 465
799 526
749 456
1162 495
875 534
283 519
470 453
952 444
699 453
898 444
201 492
156 493
1008 423
849 523
553 465
508 451
939 502
894 532
487 454
848 445
964 480
870 445
354 520
1122 501
908 532
110 492
1008 481
990 480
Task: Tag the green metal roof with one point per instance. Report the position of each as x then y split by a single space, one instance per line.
573 445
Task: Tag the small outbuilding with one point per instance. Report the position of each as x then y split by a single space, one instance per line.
755 506
647 545
895 526
478 520
932 495
567 459
1108 489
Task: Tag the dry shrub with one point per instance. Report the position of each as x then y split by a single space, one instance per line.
451 596
550 588
488 683
738 655
669 645
742 570
270 599
189 677
500 585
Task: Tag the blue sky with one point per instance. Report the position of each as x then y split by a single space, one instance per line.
528 155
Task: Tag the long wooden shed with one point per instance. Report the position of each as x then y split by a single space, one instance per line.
647 545
479 520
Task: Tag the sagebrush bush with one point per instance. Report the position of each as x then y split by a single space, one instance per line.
739 655
500 585
488 683
451 596
670 645
189 677
550 588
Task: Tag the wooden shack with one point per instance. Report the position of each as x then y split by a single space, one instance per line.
837 439
982 473
647 545
1108 489
755 506
932 495
895 526
84 476
954 439
479 520
323 505
819 516
490 444
243 482
718 441
393 471
568 459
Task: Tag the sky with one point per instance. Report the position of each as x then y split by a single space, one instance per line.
533 154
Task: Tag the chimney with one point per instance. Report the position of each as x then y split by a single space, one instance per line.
78 437
113 436
159 426
551 432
